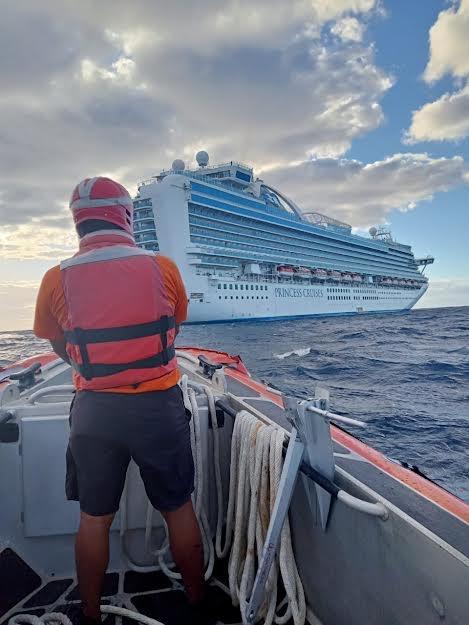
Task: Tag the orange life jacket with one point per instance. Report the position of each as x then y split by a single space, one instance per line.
120 327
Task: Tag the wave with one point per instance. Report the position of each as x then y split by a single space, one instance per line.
302 351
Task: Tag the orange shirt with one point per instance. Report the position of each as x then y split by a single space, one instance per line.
51 315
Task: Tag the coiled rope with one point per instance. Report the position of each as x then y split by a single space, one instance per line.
256 466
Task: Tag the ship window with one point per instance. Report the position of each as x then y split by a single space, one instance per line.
224 286
231 297
231 288
219 286
257 286
236 297
236 287
241 287
219 297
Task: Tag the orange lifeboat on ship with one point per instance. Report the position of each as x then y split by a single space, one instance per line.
302 272
320 274
284 271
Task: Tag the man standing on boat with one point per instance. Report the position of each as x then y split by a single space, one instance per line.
113 311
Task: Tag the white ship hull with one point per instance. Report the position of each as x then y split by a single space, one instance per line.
221 299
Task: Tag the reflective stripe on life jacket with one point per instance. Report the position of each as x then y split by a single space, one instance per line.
120 325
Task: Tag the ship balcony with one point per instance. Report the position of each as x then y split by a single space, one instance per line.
195 249
139 229
143 213
146 239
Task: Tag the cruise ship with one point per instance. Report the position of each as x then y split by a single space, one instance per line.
246 251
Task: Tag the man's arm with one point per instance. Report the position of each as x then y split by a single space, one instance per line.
175 289
59 348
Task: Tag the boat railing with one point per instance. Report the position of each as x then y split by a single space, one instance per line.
233 164
332 416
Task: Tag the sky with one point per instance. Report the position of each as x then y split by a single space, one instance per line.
355 108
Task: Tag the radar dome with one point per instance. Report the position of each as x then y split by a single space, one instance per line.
372 231
202 158
178 165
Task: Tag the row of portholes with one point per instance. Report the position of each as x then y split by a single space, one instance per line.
257 287
244 297
356 297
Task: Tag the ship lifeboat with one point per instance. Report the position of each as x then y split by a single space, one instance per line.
285 271
346 277
387 281
356 277
321 274
395 281
303 273
335 275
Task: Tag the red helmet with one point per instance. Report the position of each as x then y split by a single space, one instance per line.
104 199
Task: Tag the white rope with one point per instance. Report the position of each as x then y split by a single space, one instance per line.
52 618
200 487
136 616
256 467
57 618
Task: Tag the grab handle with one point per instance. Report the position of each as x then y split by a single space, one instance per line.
63 389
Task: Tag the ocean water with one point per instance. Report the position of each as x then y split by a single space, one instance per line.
406 375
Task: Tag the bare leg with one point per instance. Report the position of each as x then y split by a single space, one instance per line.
92 558
187 550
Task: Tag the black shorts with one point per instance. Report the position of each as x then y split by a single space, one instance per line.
108 429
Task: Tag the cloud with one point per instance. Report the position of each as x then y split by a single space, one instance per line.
126 90
123 92
18 302
363 194
448 117
449 43
348 29
442 291
42 239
